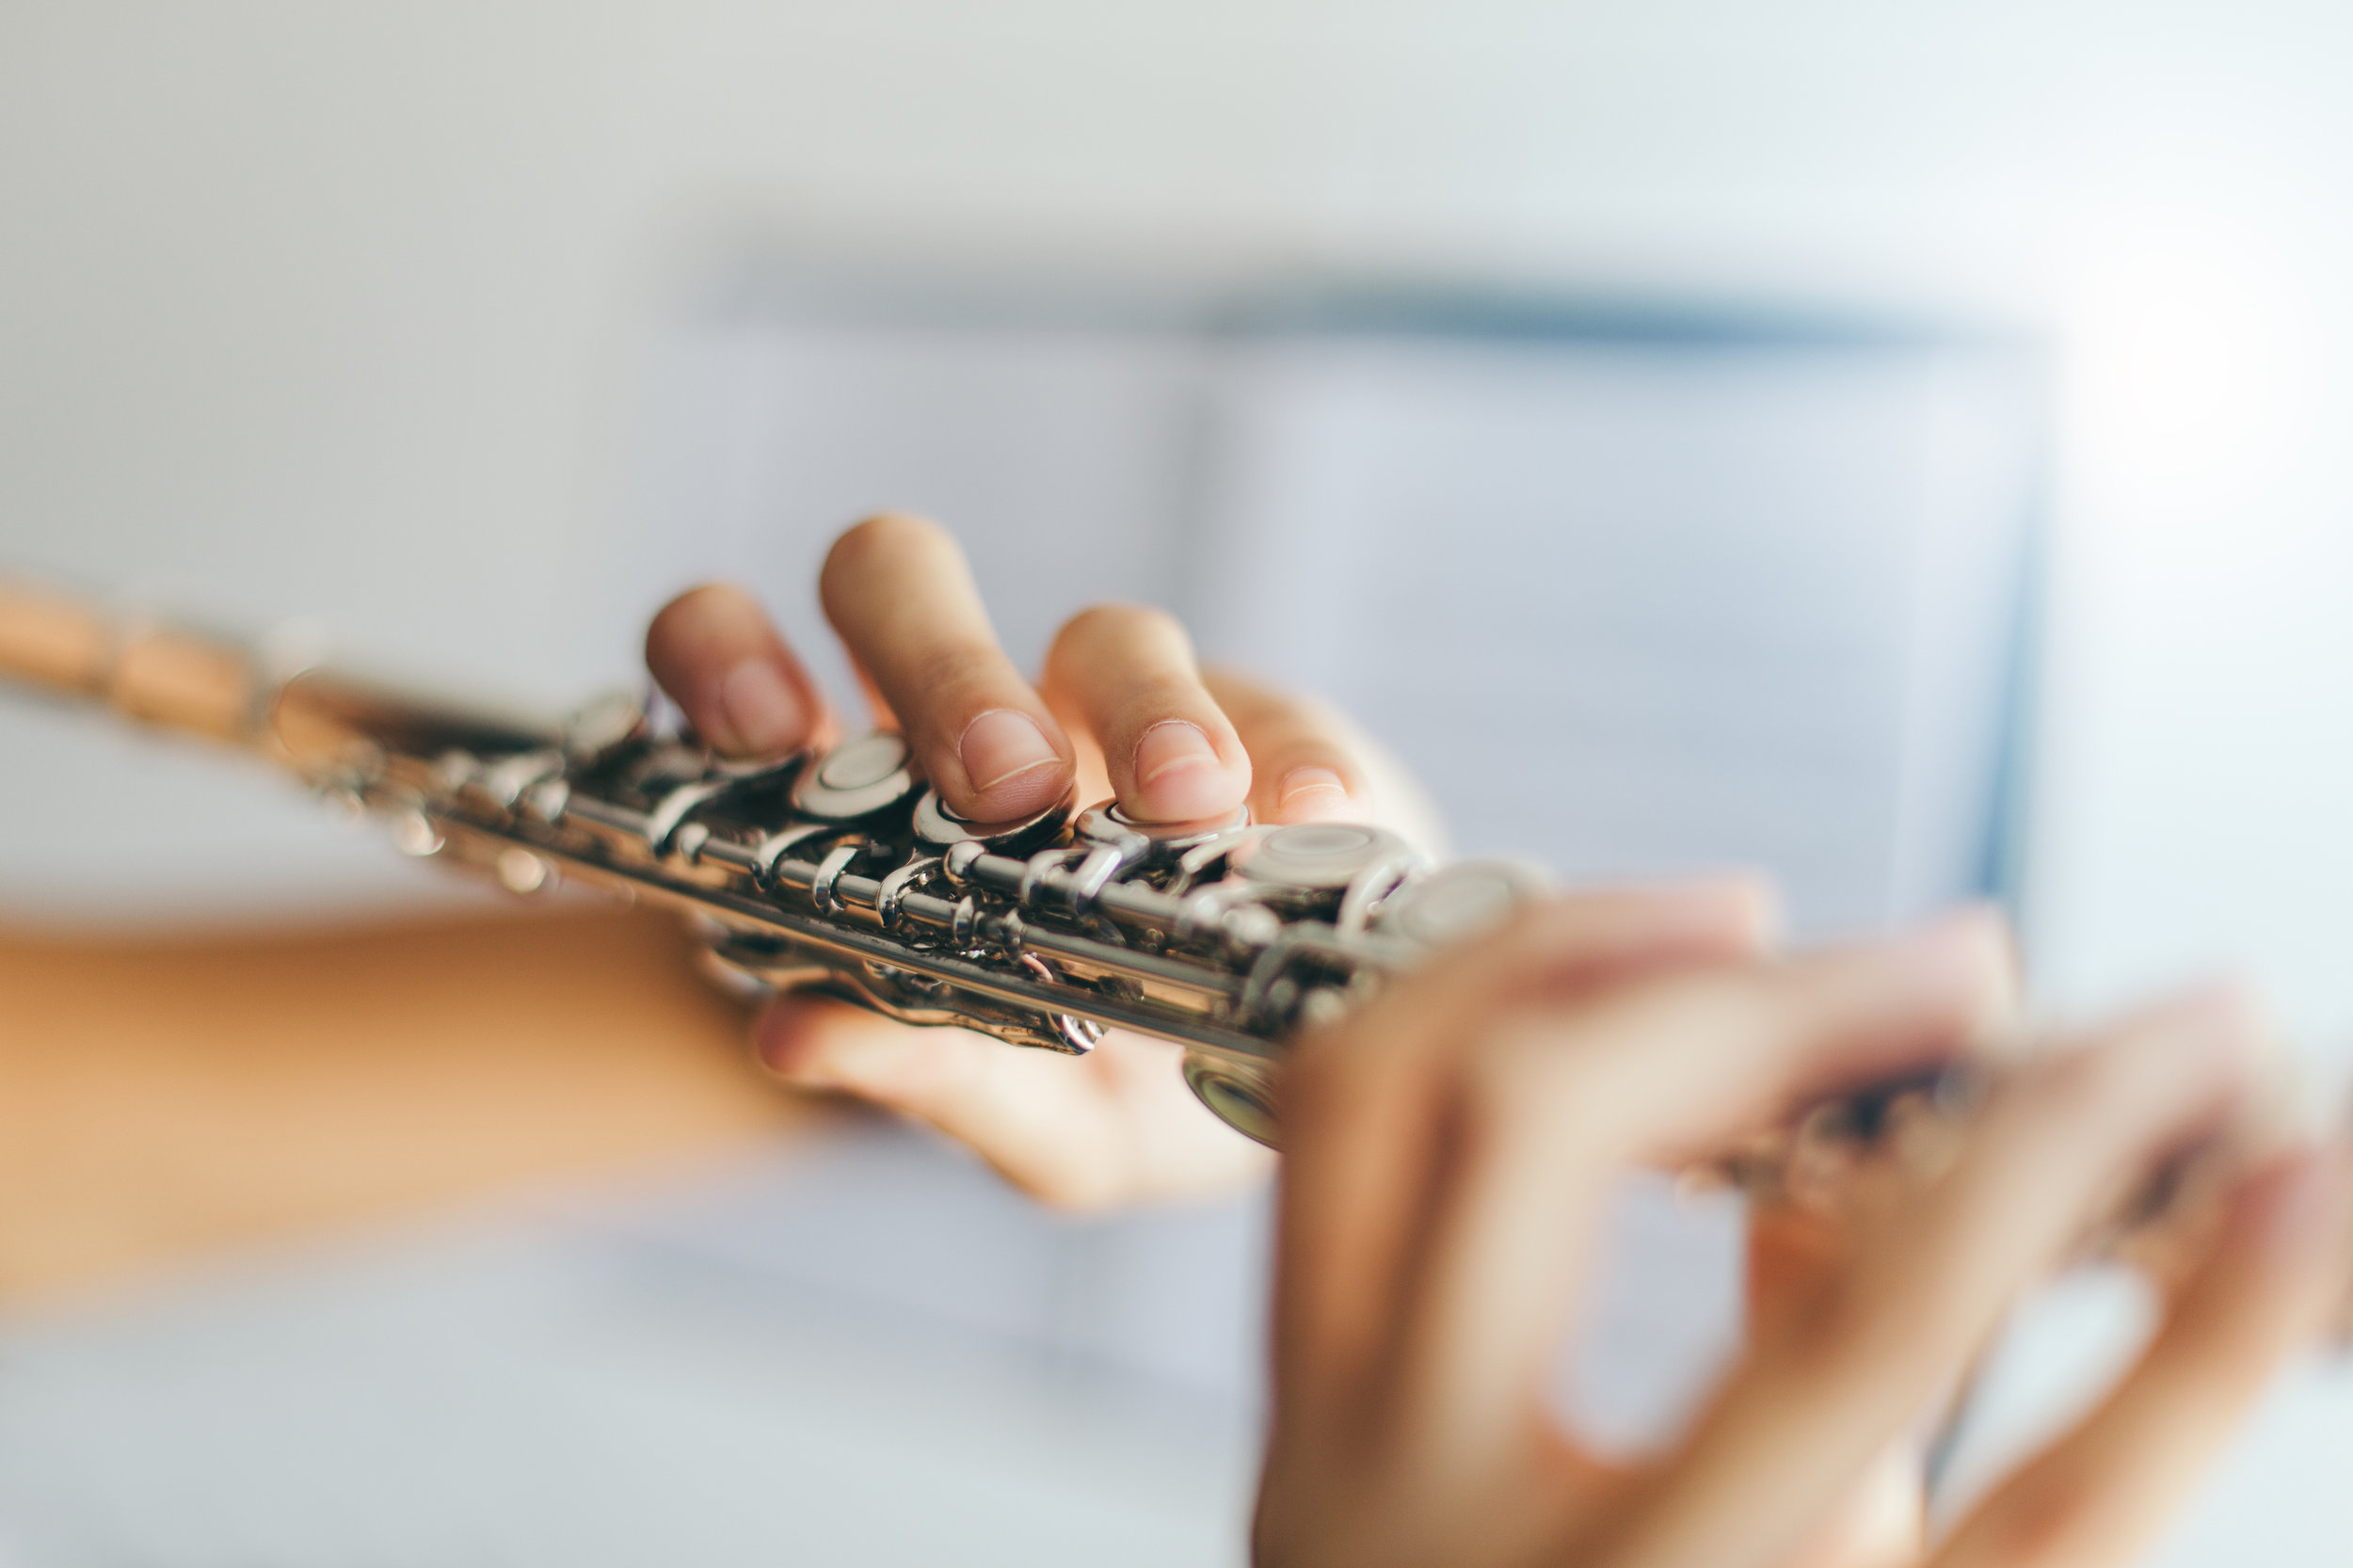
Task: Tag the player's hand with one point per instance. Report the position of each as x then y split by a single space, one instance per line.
1122 710
1449 1150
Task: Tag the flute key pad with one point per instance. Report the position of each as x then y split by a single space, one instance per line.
858 779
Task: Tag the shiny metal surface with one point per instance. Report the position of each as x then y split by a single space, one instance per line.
843 874
1460 900
841 871
938 827
1315 856
856 780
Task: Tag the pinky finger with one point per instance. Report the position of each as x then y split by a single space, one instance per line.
2104 1490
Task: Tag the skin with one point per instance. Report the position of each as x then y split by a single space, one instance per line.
1122 710
1449 1152
1450 1146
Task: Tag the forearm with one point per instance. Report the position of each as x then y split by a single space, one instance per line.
163 1097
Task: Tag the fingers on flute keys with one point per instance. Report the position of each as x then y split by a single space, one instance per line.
1562 1088
1450 1150
1309 765
1368 1107
1123 706
715 651
900 594
1126 676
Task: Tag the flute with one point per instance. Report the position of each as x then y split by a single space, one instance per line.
843 873
846 873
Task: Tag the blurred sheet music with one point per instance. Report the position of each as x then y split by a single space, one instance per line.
1629 606
1631 603
1633 609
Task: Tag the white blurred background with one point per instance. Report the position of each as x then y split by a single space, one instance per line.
403 319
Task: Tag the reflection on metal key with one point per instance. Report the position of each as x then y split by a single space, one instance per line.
845 872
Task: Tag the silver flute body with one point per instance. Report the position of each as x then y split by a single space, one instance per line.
845 872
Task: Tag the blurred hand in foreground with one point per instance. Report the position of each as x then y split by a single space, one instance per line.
1123 710
1448 1150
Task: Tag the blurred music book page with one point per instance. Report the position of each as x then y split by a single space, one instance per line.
1629 605
1633 610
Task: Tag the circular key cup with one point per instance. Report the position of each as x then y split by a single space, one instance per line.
1241 1097
1316 858
1460 900
939 829
1107 824
858 778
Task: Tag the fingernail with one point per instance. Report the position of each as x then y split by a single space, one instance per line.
1312 790
1180 775
1001 743
1172 747
761 708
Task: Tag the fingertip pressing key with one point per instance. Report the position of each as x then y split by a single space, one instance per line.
1179 775
1125 672
902 595
1314 794
715 651
1007 758
762 709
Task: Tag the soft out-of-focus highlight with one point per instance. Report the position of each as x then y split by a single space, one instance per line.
1893 446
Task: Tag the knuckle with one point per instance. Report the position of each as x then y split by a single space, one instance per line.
879 539
2043 1521
2080 1089
1299 734
1850 1330
1115 623
2072 1120
1152 697
956 679
702 595
1282 733
692 614
1293 743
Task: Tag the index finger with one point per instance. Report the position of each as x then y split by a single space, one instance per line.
715 651
1364 1105
1562 1097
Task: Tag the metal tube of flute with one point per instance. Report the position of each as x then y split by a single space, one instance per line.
845 872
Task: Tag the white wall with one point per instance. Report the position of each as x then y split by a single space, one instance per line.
349 311
344 309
